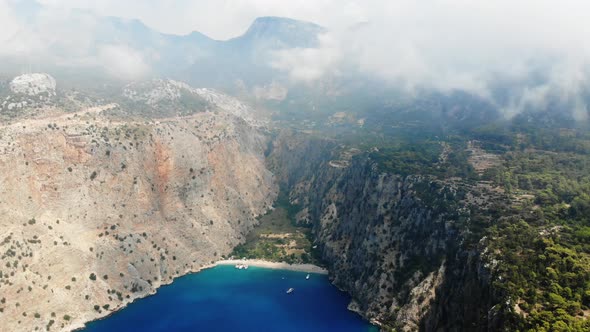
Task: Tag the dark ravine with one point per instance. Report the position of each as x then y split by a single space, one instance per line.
396 244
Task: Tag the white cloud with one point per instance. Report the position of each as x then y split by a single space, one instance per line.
9 24
462 45
310 64
122 62
62 38
440 44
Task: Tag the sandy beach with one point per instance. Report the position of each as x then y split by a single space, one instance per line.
309 268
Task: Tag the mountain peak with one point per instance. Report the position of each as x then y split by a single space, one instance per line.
279 20
265 23
294 33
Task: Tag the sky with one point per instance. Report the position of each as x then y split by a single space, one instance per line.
222 19
441 44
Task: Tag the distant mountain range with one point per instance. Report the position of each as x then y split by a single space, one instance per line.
201 60
81 49
91 43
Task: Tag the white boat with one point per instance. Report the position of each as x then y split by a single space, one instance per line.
246 266
290 290
307 277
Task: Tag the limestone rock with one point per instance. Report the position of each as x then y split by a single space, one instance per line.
97 211
33 84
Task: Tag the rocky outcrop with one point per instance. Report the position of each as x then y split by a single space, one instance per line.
33 84
394 243
97 211
165 97
29 91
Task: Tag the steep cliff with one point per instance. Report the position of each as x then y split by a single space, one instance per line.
396 244
98 210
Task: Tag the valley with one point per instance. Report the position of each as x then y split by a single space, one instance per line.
415 229
277 238
440 188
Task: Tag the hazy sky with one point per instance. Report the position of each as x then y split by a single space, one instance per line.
443 44
222 19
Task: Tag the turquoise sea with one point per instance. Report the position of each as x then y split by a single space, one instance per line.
226 299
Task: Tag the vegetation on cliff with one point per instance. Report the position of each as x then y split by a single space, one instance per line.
278 238
544 237
515 193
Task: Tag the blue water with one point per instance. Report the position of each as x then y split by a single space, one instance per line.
226 299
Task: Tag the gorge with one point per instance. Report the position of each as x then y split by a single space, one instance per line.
137 158
101 208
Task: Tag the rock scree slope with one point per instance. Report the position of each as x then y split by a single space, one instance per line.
98 210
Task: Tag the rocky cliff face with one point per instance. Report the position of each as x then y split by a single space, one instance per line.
102 205
394 243
98 210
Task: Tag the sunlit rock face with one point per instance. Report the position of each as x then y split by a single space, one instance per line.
393 242
98 208
33 84
28 91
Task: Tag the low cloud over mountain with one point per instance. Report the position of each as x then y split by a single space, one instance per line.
538 48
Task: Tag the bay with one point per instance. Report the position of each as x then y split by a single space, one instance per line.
226 299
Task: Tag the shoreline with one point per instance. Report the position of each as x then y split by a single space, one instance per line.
309 268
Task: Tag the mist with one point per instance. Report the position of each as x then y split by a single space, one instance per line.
540 48
462 45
